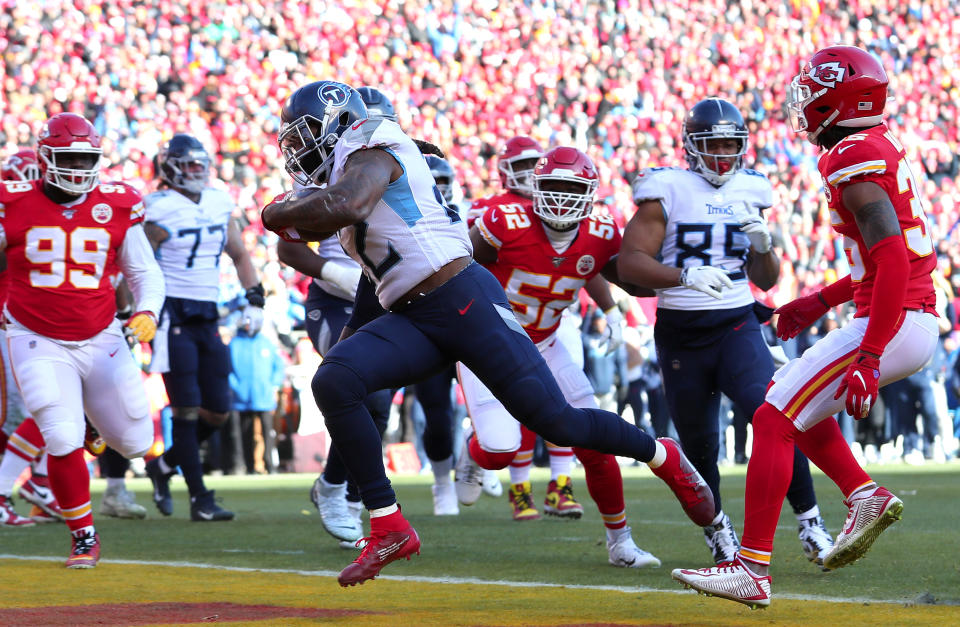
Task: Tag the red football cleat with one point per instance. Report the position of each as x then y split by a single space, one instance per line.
9 516
34 491
688 486
381 549
85 552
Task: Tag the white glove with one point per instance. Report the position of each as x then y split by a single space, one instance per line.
614 333
756 229
343 276
706 279
251 319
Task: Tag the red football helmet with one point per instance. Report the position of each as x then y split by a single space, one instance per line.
21 166
564 183
516 161
838 86
69 150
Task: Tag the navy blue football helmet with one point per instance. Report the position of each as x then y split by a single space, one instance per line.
378 105
710 119
313 119
443 175
184 164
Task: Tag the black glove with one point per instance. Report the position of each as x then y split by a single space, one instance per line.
255 295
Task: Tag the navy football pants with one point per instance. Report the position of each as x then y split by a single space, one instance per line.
739 365
467 319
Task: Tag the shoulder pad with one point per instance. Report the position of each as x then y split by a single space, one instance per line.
120 193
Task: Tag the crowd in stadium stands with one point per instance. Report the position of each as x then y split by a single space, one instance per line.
611 77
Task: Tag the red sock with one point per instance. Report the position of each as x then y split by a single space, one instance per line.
70 482
605 484
486 459
768 477
390 522
524 455
826 447
26 442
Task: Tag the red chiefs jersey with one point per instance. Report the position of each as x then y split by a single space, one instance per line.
540 282
62 260
876 156
506 199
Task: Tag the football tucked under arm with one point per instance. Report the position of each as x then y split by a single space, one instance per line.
289 233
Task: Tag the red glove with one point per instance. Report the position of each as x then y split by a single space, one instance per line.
799 314
861 382
278 199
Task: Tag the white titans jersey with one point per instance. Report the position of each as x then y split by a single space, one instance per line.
703 228
190 257
410 234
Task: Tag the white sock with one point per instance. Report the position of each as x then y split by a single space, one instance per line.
384 511
659 456
441 470
560 464
11 468
115 484
40 468
813 512
718 518
615 534
164 467
82 531
519 474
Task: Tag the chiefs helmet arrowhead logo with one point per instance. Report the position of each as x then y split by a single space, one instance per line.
827 74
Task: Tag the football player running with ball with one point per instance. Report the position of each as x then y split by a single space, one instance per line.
441 307
838 101
67 238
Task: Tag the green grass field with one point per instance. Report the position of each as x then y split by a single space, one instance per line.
276 527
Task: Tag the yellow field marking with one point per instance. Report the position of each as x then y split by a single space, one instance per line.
415 601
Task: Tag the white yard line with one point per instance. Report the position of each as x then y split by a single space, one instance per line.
453 580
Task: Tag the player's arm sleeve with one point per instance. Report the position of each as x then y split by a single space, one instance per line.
143 275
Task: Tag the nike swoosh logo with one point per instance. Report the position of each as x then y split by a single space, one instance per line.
739 326
467 308
493 217
858 375
114 352
840 150
357 125
205 515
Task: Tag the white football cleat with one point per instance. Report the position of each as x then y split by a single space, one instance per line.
335 516
467 475
626 554
870 513
722 541
732 580
444 499
491 484
815 539
119 503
